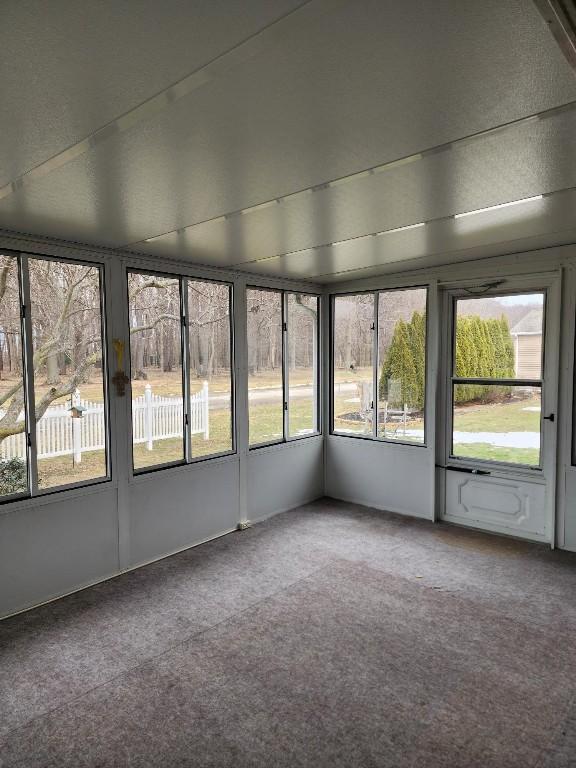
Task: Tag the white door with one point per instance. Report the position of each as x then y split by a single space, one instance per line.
498 451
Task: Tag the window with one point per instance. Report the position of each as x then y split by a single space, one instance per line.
53 407
282 365
210 364
302 368
181 370
353 372
14 468
497 378
379 344
401 371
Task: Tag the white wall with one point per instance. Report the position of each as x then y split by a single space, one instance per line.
397 478
283 477
56 544
49 549
403 478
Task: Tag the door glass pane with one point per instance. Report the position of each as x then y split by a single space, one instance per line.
499 337
13 448
402 364
497 423
265 393
69 387
156 369
302 371
210 367
352 360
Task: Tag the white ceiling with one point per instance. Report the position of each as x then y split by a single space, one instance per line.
156 126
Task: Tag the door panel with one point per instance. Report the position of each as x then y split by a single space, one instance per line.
511 504
498 453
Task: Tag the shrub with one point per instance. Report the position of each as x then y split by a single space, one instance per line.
13 476
484 349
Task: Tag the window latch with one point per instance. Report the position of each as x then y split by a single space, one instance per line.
549 418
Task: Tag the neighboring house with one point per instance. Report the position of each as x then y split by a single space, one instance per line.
527 335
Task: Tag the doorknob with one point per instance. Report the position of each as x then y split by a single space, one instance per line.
549 418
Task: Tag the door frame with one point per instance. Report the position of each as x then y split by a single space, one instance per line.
550 283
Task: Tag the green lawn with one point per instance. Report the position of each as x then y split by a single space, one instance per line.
510 416
487 452
266 420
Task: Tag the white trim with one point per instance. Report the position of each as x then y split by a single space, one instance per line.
282 510
381 508
57 496
53 247
511 264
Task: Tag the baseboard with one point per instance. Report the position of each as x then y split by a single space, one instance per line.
274 512
380 508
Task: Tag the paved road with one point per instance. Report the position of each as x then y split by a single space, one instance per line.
273 394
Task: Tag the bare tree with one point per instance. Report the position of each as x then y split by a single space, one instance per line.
66 333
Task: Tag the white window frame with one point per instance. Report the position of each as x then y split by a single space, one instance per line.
187 458
375 292
286 438
452 380
22 261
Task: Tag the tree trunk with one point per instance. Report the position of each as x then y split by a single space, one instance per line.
52 369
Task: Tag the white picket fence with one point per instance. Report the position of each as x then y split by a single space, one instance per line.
59 433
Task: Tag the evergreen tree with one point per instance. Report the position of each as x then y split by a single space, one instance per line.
483 349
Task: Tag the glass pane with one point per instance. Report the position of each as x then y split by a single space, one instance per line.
13 449
265 394
302 364
497 423
210 367
68 372
156 369
402 364
352 356
500 337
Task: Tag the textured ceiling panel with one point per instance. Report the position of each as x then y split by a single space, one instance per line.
331 89
532 158
68 67
549 221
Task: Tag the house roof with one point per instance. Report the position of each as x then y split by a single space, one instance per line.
530 323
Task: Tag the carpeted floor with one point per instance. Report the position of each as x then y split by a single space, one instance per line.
331 635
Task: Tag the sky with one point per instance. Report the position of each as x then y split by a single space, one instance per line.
534 299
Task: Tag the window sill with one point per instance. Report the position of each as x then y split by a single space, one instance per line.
167 471
379 440
57 496
290 443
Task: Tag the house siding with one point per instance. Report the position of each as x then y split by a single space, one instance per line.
529 355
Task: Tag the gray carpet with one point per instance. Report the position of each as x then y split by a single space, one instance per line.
331 635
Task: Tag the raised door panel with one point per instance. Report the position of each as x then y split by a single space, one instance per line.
510 505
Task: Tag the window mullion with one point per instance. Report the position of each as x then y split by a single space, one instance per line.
375 367
285 373
185 342
28 377
317 361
